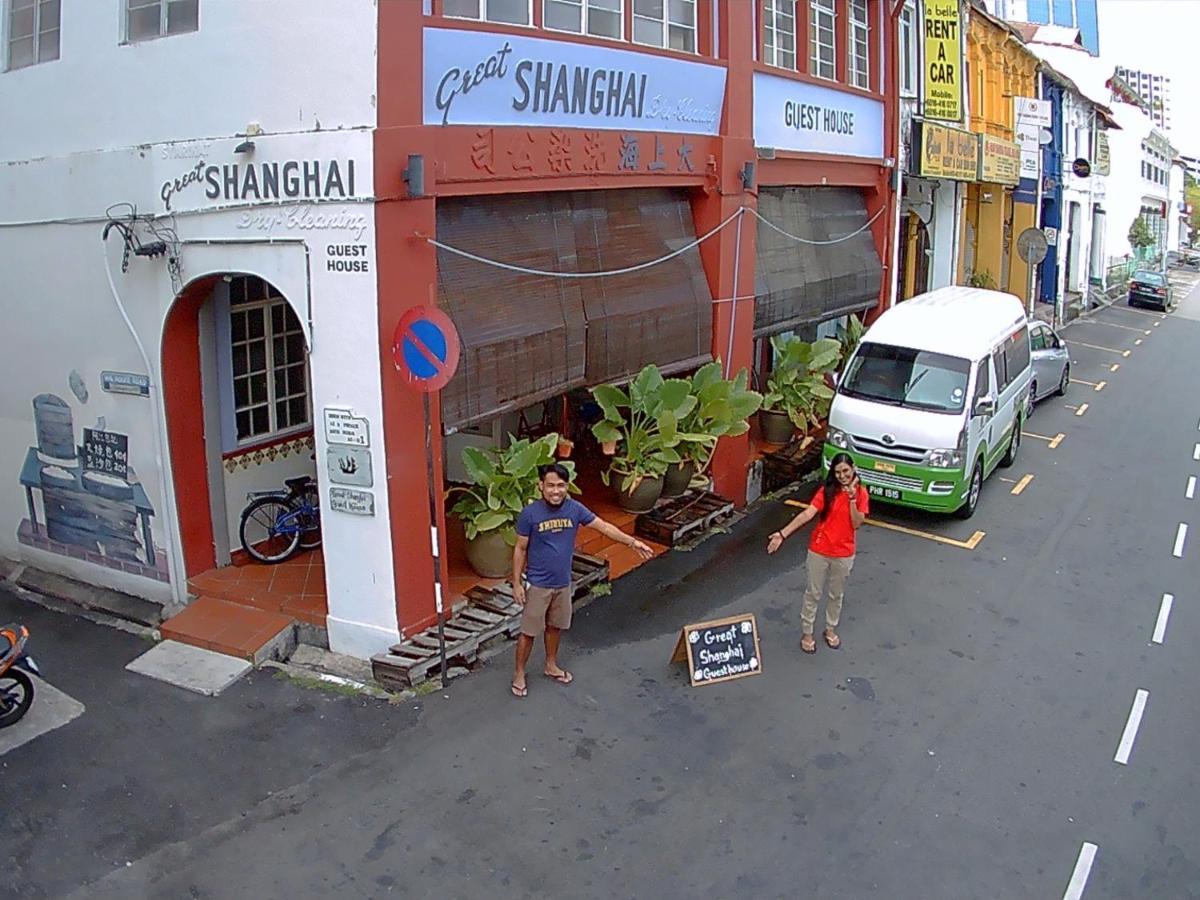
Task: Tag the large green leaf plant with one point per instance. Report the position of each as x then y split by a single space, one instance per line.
503 482
723 408
797 384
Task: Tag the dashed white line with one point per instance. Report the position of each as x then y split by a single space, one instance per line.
1131 727
1083 868
1196 452
1190 493
1164 613
1180 537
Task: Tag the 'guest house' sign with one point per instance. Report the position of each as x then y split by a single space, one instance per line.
481 78
809 118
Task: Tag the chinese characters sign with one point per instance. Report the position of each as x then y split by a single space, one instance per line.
1000 161
106 452
942 85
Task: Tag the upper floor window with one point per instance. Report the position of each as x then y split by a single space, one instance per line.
908 50
821 39
779 33
599 18
32 32
147 19
508 12
665 23
859 45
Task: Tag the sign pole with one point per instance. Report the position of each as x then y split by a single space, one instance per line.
433 536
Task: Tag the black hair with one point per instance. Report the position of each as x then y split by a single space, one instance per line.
831 486
555 468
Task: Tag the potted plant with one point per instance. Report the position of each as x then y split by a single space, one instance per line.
723 407
798 395
503 482
644 424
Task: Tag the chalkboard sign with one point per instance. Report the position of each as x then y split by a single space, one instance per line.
719 650
106 452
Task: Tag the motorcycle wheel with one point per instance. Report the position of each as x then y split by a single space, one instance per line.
16 696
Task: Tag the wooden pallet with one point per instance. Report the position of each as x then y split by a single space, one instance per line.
490 613
791 463
672 521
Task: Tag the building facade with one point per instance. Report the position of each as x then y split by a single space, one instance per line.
1154 91
1079 14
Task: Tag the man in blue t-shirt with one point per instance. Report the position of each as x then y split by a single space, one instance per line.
545 545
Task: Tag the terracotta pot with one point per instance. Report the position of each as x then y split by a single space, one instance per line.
776 427
678 477
642 498
490 555
565 449
608 448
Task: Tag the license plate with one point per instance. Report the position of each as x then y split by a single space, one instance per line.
884 467
886 493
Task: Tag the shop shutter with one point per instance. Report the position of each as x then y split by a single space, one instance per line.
527 337
800 284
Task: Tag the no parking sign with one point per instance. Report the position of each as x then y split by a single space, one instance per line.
425 348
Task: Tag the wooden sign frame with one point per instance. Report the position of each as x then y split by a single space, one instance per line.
683 648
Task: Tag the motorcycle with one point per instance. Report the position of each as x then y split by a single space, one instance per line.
16 687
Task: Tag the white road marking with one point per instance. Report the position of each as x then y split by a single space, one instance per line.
1196 452
1180 537
1131 727
1083 868
1164 612
1190 493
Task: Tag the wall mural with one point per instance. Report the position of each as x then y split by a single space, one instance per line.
94 508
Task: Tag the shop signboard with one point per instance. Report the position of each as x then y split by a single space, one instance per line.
944 152
942 85
720 650
354 502
1000 161
1103 160
490 78
810 118
1033 111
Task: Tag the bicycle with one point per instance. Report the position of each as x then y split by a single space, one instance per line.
277 524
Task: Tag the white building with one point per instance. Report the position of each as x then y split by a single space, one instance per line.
1178 228
1154 91
244 147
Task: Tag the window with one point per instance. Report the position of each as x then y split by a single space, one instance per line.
859 45
983 381
508 12
779 33
32 32
269 362
599 18
821 39
665 23
147 19
1016 354
915 379
1037 339
908 51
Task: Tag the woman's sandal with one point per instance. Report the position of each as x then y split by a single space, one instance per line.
806 648
832 640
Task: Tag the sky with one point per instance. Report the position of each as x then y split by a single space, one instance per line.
1159 36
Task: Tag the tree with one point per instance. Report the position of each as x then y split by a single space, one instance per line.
1140 235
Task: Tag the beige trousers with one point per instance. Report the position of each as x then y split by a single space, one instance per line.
823 572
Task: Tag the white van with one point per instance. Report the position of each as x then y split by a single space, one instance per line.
934 397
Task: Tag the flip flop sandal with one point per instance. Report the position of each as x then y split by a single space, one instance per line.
834 643
563 677
812 649
519 691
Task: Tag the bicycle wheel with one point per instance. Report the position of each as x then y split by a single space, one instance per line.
16 696
267 532
310 518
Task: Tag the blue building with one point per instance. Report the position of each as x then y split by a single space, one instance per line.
1081 14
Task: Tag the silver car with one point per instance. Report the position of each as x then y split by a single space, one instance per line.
1051 362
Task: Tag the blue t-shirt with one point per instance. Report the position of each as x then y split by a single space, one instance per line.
551 532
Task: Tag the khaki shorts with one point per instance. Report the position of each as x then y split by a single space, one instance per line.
546 606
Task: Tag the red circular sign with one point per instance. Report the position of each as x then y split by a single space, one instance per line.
425 348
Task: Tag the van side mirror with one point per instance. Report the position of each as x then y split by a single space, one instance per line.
985 406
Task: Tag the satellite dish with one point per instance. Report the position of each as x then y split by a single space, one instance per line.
1032 246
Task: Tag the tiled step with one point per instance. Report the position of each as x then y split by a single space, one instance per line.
230 628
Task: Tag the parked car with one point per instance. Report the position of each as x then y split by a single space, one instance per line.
1051 362
1150 288
1184 259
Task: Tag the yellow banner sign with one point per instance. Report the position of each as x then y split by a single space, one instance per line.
1103 164
944 152
943 84
1000 161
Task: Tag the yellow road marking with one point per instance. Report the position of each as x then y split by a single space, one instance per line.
1156 323
1081 410
1053 441
1114 367
1058 439
1098 347
969 544
1021 485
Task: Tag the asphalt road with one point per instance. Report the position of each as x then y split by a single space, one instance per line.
961 744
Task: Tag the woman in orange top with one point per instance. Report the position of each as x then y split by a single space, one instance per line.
840 507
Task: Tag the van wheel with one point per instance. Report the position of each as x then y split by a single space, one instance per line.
968 509
1014 444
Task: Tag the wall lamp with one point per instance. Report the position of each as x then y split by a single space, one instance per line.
244 147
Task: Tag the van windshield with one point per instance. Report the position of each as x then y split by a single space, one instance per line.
899 376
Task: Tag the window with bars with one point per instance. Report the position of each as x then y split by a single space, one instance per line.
908 51
779 33
508 12
33 29
148 19
821 39
665 23
598 18
859 45
269 362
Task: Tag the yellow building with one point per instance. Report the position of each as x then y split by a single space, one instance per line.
1000 68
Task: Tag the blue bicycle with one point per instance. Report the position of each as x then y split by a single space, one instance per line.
276 524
